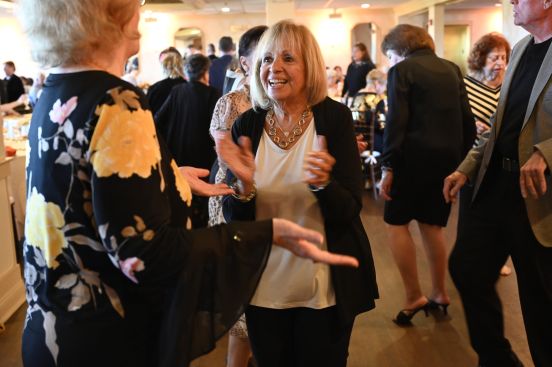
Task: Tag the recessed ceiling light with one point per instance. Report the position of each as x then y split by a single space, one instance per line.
225 9
365 6
498 4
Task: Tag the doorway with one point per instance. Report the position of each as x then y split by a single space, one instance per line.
457 45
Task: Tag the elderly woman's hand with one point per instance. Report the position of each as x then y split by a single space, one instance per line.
201 188
481 127
319 164
238 158
306 243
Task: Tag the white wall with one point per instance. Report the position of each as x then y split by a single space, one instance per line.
159 35
481 21
15 47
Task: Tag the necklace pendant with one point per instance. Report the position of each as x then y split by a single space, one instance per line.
286 133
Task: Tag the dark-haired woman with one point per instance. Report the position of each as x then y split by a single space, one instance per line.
355 79
423 141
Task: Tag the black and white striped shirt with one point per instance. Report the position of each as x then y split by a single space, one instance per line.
483 99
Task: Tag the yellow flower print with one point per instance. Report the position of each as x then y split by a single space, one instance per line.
43 227
182 185
124 143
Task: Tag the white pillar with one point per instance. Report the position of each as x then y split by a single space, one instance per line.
436 27
279 10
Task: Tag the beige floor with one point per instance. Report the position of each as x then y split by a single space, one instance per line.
376 341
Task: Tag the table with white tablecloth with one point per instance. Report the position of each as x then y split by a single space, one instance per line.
15 136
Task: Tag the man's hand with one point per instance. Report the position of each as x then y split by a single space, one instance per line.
453 184
201 188
306 243
531 178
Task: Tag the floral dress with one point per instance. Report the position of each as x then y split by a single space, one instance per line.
113 278
227 110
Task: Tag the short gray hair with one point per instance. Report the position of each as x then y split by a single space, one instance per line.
68 32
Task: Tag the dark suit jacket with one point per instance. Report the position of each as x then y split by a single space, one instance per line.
217 71
183 121
340 203
14 88
3 92
429 125
536 134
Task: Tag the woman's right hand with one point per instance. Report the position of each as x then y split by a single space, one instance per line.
306 243
480 127
385 185
238 158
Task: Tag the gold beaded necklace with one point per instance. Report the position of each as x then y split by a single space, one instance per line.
288 137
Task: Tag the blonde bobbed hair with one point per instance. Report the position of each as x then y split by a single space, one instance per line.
374 76
69 32
286 35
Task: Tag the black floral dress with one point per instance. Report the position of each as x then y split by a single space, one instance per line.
113 277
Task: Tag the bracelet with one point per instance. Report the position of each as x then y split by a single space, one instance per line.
243 198
316 188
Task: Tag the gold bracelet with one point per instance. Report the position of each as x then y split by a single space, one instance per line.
243 198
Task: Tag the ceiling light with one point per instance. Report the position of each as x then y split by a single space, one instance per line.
225 9
365 6
335 15
498 4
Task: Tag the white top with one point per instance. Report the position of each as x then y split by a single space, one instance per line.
289 281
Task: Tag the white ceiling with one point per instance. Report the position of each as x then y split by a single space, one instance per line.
258 6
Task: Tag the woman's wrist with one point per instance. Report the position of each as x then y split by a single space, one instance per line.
315 188
244 192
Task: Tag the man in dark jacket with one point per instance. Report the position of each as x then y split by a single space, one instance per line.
14 85
218 68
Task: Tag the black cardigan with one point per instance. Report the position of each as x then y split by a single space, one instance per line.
340 203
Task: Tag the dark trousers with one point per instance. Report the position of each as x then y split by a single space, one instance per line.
298 337
493 227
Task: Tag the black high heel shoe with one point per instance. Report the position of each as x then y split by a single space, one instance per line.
433 305
404 317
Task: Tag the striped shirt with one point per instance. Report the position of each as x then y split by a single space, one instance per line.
483 99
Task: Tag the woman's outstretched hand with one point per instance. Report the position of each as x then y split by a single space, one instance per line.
201 188
306 243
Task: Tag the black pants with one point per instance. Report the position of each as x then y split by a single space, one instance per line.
493 227
298 337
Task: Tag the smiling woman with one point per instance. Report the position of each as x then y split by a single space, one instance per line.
304 167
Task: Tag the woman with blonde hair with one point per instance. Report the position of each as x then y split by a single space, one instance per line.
303 166
173 70
113 277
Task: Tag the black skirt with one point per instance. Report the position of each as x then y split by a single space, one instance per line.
419 201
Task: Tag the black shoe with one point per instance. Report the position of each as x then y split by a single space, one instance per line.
433 305
404 317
